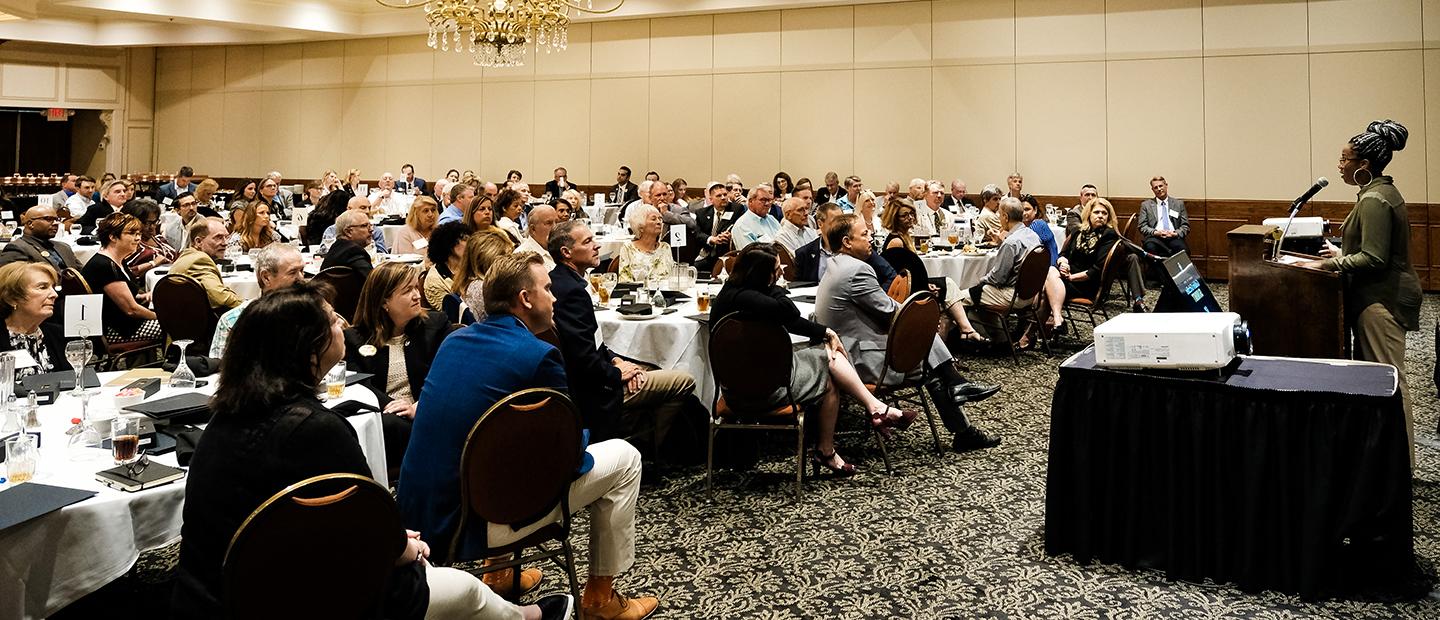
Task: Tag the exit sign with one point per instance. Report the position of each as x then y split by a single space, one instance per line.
57 114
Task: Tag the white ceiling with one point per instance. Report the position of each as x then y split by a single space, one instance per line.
213 22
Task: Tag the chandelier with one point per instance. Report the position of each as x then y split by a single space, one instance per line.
499 32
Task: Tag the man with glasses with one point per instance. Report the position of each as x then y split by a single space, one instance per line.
354 236
362 204
957 201
37 244
175 224
198 262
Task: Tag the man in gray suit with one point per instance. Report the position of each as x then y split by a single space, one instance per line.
38 244
851 302
1163 221
67 189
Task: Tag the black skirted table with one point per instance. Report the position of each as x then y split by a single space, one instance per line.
1284 474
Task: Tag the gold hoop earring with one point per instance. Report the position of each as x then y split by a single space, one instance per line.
1370 176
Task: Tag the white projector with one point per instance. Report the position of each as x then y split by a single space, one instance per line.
1301 228
1171 340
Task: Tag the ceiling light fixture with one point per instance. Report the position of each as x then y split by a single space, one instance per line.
499 32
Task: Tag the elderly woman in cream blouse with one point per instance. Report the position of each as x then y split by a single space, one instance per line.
647 255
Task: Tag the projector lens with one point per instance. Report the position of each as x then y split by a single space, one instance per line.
1242 338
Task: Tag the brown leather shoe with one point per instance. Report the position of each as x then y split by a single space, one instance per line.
502 582
620 608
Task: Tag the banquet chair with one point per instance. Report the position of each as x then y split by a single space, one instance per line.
73 283
787 261
184 311
1129 231
1108 268
725 263
537 432
348 522
900 288
911 333
346 283
1026 302
752 360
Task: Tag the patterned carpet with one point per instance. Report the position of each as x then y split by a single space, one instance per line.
953 537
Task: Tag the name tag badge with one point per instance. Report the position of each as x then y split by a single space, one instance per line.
45 253
727 216
168 201
421 244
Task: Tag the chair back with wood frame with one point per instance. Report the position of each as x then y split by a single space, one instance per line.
725 263
900 288
787 262
535 431
346 282
183 310
1096 304
1029 283
348 521
912 332
1130 232
751 360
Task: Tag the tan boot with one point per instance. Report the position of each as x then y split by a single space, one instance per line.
502 582
619 608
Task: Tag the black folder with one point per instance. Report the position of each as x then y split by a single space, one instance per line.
31 500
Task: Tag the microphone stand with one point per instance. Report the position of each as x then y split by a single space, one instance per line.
1294 209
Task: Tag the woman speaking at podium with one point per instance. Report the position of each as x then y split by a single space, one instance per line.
1382 291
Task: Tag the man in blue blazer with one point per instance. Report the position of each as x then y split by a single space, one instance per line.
172 190
519 305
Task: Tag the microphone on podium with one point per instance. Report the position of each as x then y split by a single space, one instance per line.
1320 183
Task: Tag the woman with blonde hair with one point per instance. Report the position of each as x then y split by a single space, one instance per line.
253 228
205 197
481 251
419 223
865 208
899 249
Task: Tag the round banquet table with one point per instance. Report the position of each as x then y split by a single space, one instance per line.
390 233
51 561
83 253
964 269
244 283
610 243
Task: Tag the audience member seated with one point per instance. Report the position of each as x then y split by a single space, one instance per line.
819 374
123 311
419 223
443 255
851 197
812 259
384 200
646 256
1075 217
270 195
480 216
37 243
851 302
957 200
174 224
112 197
269 431
205 198
246 194
795 231
865 208
481 251
276 267
253 227
351 248
27 301
394 340
537 232
714 222
510 204
755 225
460 195
988 222
80 202
1083 258
198 262
321 221
997 286
830 191
518 306
1164 224
611 391
154 249
931 219
642 198
361 205
900 218
412 182
1054 286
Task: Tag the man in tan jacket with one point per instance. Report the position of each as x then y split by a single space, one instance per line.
207 243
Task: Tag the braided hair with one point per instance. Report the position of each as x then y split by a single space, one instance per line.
1379 142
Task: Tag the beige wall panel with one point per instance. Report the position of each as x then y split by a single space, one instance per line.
973 31
1337 114
1152 29
411 61
244 65
747 41
456 141
172 68
748 130
172 125
681 143
562 131
1430 14
1053 30
284 66
1254 26
207 69
507 135
974 124
817 112
682 45
365 62
1061 140
323 64
92 84
620 49
1432 119
1257 140
362 111
240 134
278 126
408 128
888 35
23 81
139 87
1337 25
452 67
139 143
205 132
1154 133
572 62
618 133
821 38
893 127
522 73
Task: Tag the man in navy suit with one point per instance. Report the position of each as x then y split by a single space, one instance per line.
172 190
714 222
811 258
519 304
412 181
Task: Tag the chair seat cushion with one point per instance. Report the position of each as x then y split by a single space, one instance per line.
723 410
1080 301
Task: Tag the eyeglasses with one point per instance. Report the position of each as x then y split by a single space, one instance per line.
1345 159
359 226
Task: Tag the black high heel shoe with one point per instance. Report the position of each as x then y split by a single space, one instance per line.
818 460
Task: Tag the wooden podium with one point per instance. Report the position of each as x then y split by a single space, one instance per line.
1292 311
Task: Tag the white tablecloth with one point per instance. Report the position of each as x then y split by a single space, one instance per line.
83 253
609 214
244 283
391 233
966 271
50 562
610 244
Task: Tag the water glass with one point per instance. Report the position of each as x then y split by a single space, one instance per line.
21 455
125 438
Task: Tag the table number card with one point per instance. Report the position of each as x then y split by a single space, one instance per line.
82 315
677 235
45 200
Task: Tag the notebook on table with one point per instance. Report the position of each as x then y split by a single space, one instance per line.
31 500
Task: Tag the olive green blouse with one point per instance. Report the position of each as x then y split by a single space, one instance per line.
1375 255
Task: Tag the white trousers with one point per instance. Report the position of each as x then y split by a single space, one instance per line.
460 595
